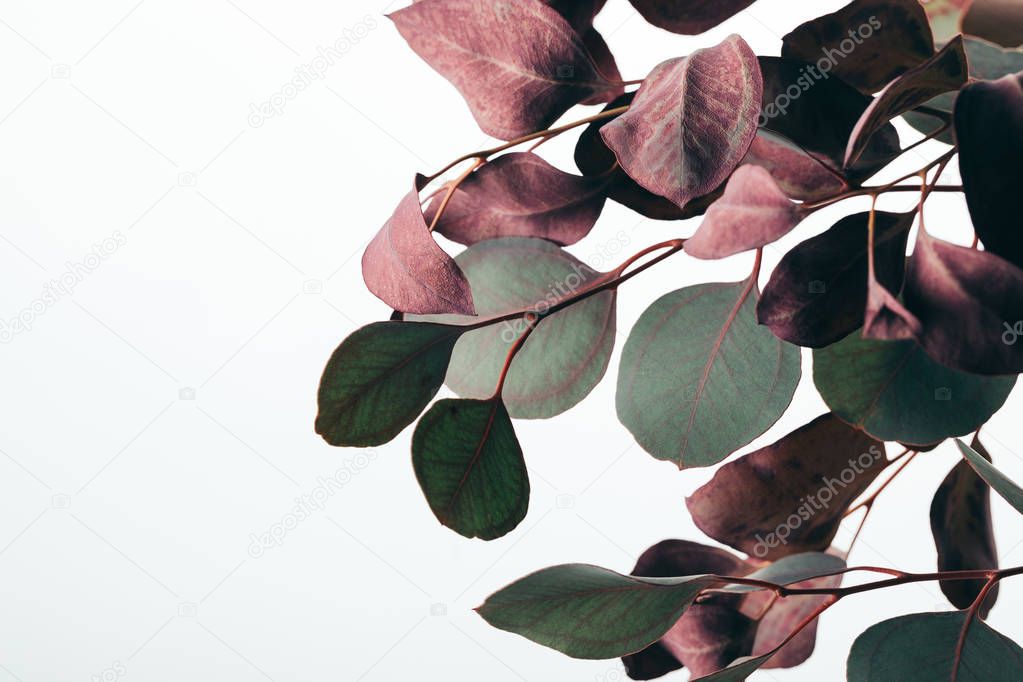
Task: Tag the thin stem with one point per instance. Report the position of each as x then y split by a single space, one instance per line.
971 613
452 186
871 222
484 154
531 320
945 125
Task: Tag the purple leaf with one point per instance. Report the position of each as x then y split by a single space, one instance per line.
946 70
989 129
818 292
691 123
521 195
963 534
811 475
885 317
867 43
969 304
783 617
709 636
690 17
606 65
519 65
751 213
798 175
406 269
1000 21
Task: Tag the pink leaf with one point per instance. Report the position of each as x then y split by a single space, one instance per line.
521 195
886 318
519 65
406 269
690 17
751 213
692 121
795 171
782 619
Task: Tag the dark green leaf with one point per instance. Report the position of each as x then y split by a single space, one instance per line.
794 568
894 391
923 646
380 379
995 478
591 612
470 467
700 378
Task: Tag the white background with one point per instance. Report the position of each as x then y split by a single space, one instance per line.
128 507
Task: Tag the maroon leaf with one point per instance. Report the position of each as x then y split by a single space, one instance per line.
578 13
866 43
606 65
963 534
989 129
784 617
521 195
818 111
691 17
751 213
519 65
969 304
406 269
885 317
1000 21
789 497
818 292
594 158
691 123
797 173
709 636
946 70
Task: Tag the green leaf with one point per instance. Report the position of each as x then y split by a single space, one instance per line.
700 379
923 646
591 612
380 379
992 476
894 391
794 568
470 467
567 354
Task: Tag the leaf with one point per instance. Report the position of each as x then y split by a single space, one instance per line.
790 496
691 123
885 317
867 43
699 378
591 612
963 533
793 569
521 195
923 646
470 467
380 379
987 62
817 293
995 478
490 49
774 634
406 269
893 391
753 212
798 175
968 303
989 129
946 70
607 67
1000 21
709 636
818 112
568 353
688 18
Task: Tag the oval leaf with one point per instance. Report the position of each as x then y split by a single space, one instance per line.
406 269
946 70
790 496
699 378
380 379
989 128
753 212
591 612
963 533
924 646
692 17
470 467
489 49
818 292
995 478
521 195
797 173
691 123
893 391
1000 21
866 43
